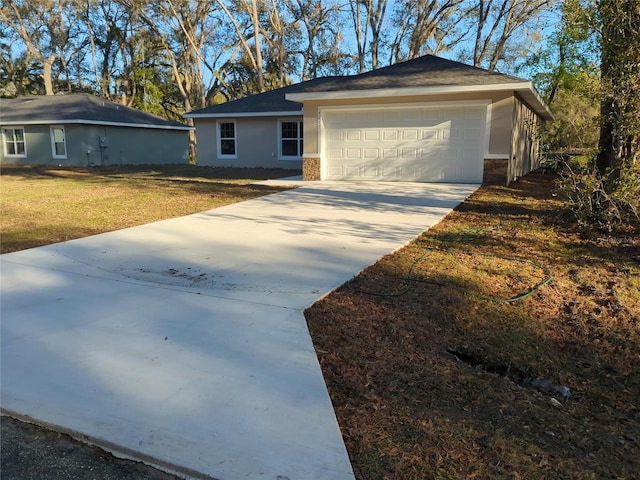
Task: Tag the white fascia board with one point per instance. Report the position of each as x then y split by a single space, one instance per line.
526 90
294 113
535 101
95 122
402 92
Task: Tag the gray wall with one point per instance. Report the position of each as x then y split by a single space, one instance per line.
127 146
524 141
256 143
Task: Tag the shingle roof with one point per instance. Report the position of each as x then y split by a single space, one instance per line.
421 72
78 108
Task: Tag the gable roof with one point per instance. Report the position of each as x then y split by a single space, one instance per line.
78 108
423 75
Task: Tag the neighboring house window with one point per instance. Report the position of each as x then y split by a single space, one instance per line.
14 142
227 139
290 140
58 142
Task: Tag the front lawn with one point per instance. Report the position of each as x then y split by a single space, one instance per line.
47 204
436 374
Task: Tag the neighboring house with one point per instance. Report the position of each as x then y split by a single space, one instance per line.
427 119
82 129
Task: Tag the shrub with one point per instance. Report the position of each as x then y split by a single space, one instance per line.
609 202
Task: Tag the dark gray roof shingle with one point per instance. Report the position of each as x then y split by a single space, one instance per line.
77 108
425 71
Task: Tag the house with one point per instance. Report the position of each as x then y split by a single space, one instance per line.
82 130
427 119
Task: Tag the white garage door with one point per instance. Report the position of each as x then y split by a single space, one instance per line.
426 144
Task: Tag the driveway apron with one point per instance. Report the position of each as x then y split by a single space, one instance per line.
183 342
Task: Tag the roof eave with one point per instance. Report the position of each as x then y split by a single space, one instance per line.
525 89
95 122
531 96
275 113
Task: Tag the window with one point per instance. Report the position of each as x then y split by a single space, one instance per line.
58 142
14 142
290 140
227 139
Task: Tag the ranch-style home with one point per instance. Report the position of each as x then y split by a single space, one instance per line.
85 130
427 119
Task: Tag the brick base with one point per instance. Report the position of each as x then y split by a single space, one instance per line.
495 171
311 169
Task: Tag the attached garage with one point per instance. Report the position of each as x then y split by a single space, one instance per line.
443 142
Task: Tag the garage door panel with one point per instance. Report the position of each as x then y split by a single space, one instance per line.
423 144
372 135
353 153
336 153
390 135
352 172
429 134
353 135
408 154
389 153
372 172
371 154
410 134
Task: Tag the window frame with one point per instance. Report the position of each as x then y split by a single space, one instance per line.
52 129
5 142
299 139
221 155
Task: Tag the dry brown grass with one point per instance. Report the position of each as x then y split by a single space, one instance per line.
409 409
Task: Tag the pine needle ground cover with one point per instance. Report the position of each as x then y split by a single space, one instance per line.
498 344
43 205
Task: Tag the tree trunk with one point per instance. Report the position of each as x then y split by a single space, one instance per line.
47 76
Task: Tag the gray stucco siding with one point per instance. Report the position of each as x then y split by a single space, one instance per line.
132 146
37 145
126 146
257 142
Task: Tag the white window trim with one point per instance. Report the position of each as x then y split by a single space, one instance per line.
53 142
289 157
219 139
4 142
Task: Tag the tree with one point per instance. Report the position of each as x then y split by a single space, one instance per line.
18 74
322 25
251 42
605 193
495 22
425 26
119 47
368 17
282 35
45 30
619 143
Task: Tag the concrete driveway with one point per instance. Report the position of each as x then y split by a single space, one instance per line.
183 342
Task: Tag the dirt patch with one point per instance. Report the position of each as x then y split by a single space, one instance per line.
550 386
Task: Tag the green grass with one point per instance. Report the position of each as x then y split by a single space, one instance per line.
43 205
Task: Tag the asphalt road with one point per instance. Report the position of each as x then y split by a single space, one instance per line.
30 452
